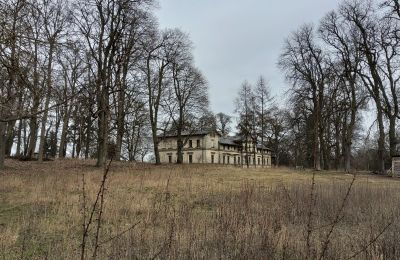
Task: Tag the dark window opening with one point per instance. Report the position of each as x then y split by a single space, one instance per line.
190 158
190 144
198 143
212 158
170 158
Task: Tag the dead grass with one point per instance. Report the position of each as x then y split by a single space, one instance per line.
185 212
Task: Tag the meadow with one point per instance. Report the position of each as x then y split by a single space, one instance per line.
194 212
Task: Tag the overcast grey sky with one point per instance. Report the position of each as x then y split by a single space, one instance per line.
237 40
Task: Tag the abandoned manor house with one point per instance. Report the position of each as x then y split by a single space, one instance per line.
210 147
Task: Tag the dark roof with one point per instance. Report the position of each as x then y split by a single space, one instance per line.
228 141
259 146
187 133
236 141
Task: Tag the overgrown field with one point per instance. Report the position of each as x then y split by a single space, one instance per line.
193 212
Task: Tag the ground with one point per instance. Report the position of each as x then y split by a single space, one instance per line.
195 211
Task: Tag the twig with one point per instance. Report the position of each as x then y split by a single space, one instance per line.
309 219
120 234
100 214
84 233
89 222
337 219
167 243
371 241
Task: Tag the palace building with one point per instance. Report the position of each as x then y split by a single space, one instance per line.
210 147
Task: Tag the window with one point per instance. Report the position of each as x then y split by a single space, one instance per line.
198 143
212 158
228 159
170 158
258 160
234 160
223 159
238 160
190 158
212 143
190 144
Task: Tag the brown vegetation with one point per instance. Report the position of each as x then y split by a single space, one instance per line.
185 212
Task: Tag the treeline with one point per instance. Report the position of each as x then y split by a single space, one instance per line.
94 78
100 79
346 64
340 72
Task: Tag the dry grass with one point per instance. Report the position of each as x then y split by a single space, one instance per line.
208 212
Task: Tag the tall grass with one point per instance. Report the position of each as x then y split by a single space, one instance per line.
186 212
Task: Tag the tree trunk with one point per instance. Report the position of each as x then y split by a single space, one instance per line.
156 150
392 136
47 102
120 118
347 156
19 139
88 135
33 128
10 137
2 143
64 131
381 142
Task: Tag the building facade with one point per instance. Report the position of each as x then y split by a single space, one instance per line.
209 147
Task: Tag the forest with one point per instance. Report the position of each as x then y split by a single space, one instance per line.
100 79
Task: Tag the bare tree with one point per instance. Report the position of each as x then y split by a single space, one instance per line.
263 103
223 124
244 108
190 101
55 21
303 62
346 59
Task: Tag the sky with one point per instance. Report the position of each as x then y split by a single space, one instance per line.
237 40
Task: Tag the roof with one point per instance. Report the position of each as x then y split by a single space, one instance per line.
263 147
228 141
236 141
187 133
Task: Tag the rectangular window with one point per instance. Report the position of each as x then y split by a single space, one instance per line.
190 158
223 159
212 158
258 161
238 160
190 144
170 158
198 143
212 143
228 159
